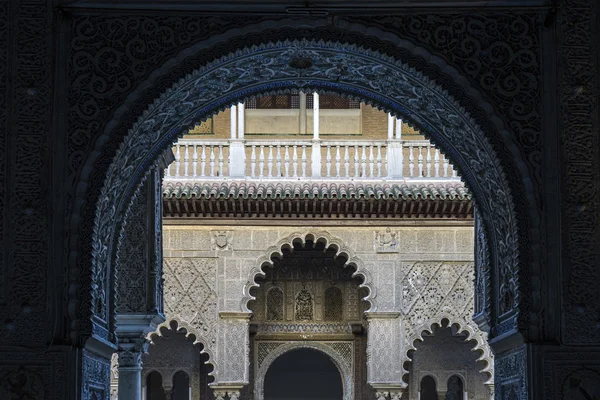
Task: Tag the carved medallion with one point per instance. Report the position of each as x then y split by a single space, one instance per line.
221 240
386 242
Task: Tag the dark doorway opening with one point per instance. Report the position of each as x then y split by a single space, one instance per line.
303 374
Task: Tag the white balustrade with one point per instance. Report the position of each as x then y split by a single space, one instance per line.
308 160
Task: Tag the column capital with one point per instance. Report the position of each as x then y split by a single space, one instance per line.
130 353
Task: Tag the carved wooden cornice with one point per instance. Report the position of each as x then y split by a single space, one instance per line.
316 201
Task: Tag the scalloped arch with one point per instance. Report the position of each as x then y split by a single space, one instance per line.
473 333
330 242
182 327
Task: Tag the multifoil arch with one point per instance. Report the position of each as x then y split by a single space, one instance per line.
473 333
191 334
330 242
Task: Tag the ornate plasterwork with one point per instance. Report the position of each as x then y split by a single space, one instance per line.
329 241
368 75
434 291
578 91
340 352
190 296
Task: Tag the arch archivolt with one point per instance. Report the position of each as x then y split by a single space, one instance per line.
342 358
330 242
357 72
464 326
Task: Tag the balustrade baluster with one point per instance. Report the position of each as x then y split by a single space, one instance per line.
261 161
420 161
203 161
195 161
278 160
253 162
371 161
287 161
328 161
337 161
347 161
186 161
304 161
212 160
411 161
270 163
436 162
379 161
428 161
295 160
221 161
177 160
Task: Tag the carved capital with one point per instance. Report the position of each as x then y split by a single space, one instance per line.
381 395
130 352
220 394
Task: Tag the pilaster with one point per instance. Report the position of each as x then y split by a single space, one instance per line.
233 347
384 346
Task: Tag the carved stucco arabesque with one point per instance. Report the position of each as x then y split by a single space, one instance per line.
374 81
425 293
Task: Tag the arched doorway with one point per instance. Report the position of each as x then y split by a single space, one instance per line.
464 141
303 374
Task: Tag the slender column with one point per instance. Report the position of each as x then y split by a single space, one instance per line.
316 144
390 127
233 113
130 368
315 115
237 151
302 113
241 127
398 129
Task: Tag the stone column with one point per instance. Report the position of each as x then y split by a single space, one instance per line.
131 330
233 118
241 122
315 116
390 127
302 113
130 368
395 150
384 346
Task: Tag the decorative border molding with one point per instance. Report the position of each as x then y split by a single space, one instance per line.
346 369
